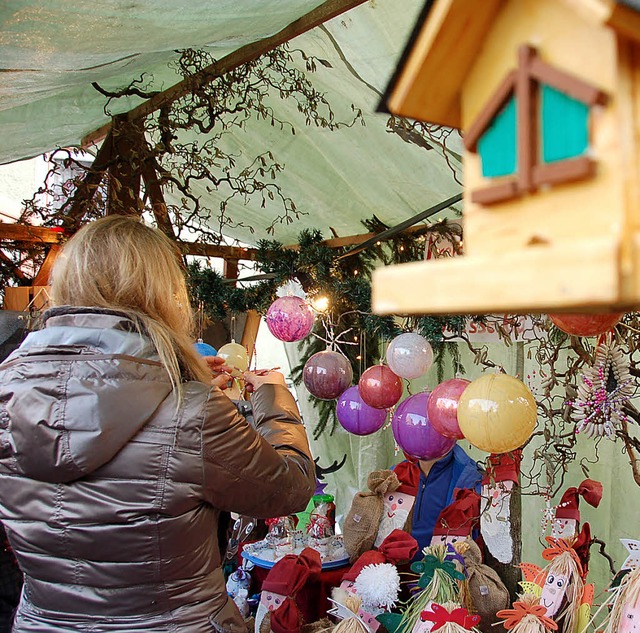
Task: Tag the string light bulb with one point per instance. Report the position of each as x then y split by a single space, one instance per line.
320 303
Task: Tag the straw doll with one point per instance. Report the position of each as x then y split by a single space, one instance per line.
563 588
438 583
625 610
527 616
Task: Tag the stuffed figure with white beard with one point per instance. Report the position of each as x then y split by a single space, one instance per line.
498 484
278 611
398 504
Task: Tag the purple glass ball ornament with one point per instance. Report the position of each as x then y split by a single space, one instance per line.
356 416
442 407
380 387
327 374
289 319
413 431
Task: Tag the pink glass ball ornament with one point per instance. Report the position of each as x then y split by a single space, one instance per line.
356 416
290 319
585 324
443 407
414 432
409 355
380 387
327 374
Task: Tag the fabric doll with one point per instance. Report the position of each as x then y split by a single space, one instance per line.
277 610
527 616
566 523
398 503
456 522
495 520
625 611
374 579
363 519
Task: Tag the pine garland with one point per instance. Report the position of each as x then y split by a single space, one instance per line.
345 279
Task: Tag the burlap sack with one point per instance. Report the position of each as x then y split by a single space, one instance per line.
362 522
488 593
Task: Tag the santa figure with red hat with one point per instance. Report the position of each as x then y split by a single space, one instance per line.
457 521
278 611
566 523
498 483
399 503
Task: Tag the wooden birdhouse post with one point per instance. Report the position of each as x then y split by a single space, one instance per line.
547 96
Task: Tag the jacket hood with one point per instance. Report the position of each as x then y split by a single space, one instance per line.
74 393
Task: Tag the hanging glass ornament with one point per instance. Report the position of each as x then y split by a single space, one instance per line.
204 349
443 407
409 355
356 416
585 324
414 432
290 319
327 374
235 356
497 413
380 387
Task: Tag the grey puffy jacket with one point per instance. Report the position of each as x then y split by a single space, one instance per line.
111 493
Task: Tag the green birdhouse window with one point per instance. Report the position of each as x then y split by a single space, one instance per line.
533 131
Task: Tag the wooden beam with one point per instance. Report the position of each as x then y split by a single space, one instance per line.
42 278
27 233
250 333
326 11
7 261
158 204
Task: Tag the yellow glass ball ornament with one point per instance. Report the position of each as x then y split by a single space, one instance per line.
497 413
235 355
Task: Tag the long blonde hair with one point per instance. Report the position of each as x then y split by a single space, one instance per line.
119 263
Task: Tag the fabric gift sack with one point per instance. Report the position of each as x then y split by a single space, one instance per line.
362 522
487 591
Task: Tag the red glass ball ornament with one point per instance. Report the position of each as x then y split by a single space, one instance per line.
586 324
327 374
379 387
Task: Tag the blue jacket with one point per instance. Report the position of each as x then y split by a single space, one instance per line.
435 492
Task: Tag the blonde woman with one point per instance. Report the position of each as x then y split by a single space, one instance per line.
117 454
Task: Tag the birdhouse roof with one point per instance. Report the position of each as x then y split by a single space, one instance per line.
445 43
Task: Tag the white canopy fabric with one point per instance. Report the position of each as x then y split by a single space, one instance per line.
52 53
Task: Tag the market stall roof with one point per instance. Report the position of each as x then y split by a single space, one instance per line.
52 53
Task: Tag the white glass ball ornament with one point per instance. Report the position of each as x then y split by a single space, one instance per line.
409 355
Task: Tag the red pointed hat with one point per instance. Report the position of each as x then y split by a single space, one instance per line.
460 516
503 467
290 573
589 490
408 474
398 547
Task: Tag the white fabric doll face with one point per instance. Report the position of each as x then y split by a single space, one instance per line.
397 506
554 590
630 619
564 528
271 600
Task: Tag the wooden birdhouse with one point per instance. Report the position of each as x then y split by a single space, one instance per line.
546 94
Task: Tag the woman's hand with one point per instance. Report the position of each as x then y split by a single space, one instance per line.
255 380
221 373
